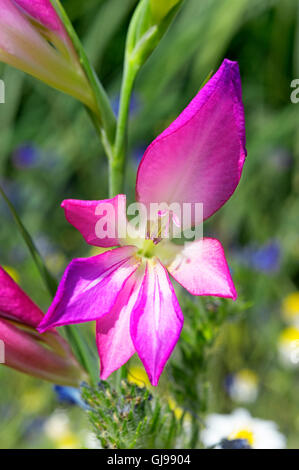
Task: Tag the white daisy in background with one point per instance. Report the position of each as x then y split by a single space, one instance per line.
240 427
57 428
91 441
242 386
288 347
57 425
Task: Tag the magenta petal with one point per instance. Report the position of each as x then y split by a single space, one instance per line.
200 156
202 269
13 24
156 321
85 215
89 287
43 12
114 341
15 304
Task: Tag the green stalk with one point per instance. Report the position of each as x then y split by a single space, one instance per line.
132 65
143 37
118 157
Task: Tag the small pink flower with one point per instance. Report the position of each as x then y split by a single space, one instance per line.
199 158
47 355
33 39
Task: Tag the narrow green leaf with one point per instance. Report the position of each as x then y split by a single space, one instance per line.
50 282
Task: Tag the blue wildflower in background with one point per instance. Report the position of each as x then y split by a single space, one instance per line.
281 159
135 104
137 154
265 259
234 444
25 156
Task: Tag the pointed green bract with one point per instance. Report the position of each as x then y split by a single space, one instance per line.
160 9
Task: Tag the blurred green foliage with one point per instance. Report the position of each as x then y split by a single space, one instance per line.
49 152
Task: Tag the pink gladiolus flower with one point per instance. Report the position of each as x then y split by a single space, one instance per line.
127 290
47 355
33 39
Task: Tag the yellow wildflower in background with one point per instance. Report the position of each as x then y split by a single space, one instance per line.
57 428
290 334
290 308
177 410
13 273
138 376
244 386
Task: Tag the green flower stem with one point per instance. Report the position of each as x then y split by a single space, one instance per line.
118 157
142 39
132 65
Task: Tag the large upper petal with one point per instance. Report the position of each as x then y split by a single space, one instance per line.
200 156
156 321
15 304
89 287
114 341
84 215
202 269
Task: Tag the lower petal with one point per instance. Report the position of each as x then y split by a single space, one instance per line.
202 269
156 321
89 287
114 341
